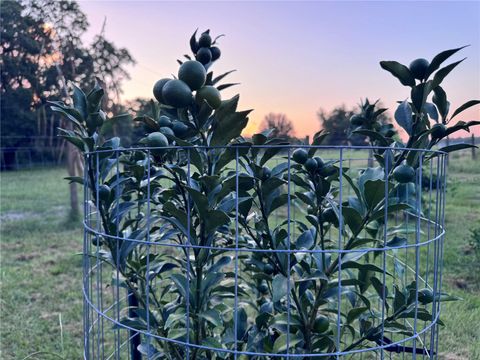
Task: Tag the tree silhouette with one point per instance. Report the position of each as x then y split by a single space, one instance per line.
337 124
281 125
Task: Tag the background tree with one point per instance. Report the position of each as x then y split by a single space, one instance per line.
337 124
22 38
283 126
42 54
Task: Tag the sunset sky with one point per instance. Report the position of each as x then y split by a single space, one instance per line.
298 57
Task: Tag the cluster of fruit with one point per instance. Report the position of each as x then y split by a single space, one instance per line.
313 164
179 93
419 70
203 49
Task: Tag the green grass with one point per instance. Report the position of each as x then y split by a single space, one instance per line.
41 273
41 301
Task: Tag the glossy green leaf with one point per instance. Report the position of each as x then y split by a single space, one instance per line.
401 72
352 218
403 116
306 239
439 59
215 219
464 107
280 287
374 192
443 72
440 100
212 316
228 123
80 101
280 344
419 95
355 313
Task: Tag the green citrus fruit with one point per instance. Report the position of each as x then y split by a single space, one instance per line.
357 120
439 131
300 156
215 53
319 162
193 74
418 68
157 89
165 130
210 94
164 121
321 324
157 139
310 165
179 129
404 174
205 40
268 269
104 192
327 170
263 288
177 94
204 55
266 173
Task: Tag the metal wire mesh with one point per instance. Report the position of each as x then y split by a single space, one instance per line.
136 307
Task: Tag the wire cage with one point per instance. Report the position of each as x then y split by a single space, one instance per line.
239 262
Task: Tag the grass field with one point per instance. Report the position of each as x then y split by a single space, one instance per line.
41 303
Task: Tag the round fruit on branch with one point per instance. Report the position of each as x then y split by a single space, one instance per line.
300 156
418 68
205 40
204 55
404 174
177 93
157 139
193 74
210 94
157 89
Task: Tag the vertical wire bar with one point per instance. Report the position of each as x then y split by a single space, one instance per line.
385 226
442 221
340 241
117 251
289 301
428 239
417 247
235 315
85 261
147 274
435 259
405 269
91 262
97 254
187 296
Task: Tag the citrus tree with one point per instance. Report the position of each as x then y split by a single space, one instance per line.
194 192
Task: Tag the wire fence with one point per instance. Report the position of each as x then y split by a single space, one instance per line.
155 289
17 153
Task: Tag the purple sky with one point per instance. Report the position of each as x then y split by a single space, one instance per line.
297 57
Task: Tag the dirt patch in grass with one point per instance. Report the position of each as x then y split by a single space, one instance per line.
17 216
453 356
